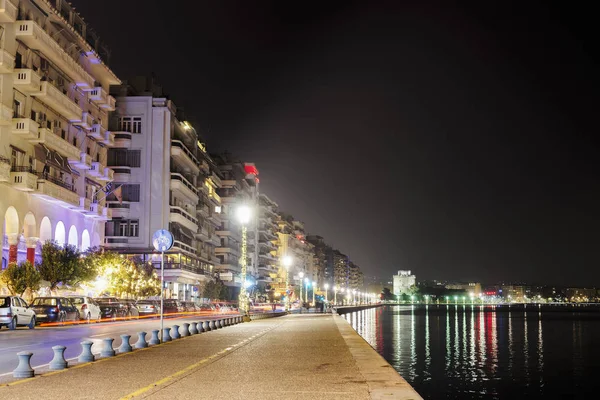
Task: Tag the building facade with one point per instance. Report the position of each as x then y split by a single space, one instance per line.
403 281
166 181
54 113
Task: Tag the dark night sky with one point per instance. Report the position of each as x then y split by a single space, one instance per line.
453 141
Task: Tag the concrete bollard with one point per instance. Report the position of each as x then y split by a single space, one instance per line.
86 352
24 369
207 326
175 332
154 339
200 326
213 325
226 321
220 324
58 362
107 350
185 330
166 336
193 329
125 346
141 342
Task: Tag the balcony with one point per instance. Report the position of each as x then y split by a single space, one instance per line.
25 127
96 131
95 211
227 250
216 180
59 101
83 204
121 174
122 139
86 121
109 174
185 187
119 210
26 80
202 234
7 62
4 169
182 217
96 170
215 218
55 190
102 99
8 11
109 139
83 162
55 142
106 214
116 242
23 179
202 209
184 156
30 33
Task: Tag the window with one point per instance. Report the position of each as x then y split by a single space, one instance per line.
133 227
131 124
130 192
124 158
123 228
137 125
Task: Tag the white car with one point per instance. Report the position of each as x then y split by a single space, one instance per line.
14 311
89 310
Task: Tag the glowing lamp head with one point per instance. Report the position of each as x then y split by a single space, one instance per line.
307 281
287 261
301 275
326 286
314 283
243 214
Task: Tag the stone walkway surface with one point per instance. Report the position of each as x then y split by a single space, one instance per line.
291 357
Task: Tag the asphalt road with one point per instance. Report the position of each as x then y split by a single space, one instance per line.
40 340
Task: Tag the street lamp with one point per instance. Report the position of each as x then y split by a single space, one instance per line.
301 275
307 283
354 296
243 214
342 290
287 262
326 286
335 290
314 286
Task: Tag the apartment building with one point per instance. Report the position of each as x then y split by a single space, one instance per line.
323 259
239 185
167 181
54 112
268 267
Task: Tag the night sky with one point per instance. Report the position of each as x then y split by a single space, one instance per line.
454 141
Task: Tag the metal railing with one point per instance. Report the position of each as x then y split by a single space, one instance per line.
182 179
56 181
181 145
184 213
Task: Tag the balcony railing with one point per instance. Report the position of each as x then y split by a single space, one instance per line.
8 11
56 181
185 182
34 36
59 101
178 144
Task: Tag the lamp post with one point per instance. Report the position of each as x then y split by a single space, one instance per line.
342 290
314 286
306 283
301 275
335 290
326 286
354 296
243 215
287 262
162 240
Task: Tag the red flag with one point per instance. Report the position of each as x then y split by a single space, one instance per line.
118 194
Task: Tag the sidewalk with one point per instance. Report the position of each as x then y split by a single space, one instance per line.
292 357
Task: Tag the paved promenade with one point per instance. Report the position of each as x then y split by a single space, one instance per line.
291 357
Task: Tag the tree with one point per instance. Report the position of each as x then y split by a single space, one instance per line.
386 294
64 265
216 290
20 277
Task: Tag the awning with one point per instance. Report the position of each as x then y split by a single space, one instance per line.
179 229
52 158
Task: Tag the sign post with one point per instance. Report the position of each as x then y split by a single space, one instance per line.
162 241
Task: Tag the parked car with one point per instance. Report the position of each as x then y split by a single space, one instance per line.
89 310
190 306
148 307
172 306
54 309
207 307
131 310
14 311
111 308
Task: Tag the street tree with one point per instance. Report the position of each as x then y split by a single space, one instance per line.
20 277
64 265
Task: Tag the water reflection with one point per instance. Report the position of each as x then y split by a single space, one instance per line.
483 352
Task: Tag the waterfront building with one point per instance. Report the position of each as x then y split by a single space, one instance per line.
470 288
341 277
323 259
403 281
292 242
54 137
166 181
239 185
268 267
355 276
